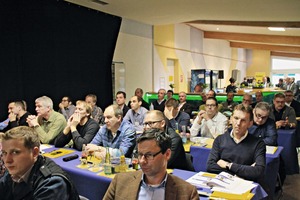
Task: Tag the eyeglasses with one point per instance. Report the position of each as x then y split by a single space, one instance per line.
210 105
64 100
148 156
259 116
150 124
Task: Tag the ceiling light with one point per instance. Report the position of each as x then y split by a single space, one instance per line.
276 29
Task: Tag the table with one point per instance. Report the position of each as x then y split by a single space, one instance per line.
87 183
258 191
200 157
287 139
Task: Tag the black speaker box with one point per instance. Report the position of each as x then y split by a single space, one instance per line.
221 74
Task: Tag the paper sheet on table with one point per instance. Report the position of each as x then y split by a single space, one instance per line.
44 146
58 153
271 149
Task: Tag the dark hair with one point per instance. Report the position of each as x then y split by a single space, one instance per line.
279 95
172 102
121 92
213 98
231 80
170 91
247 109
162 139
21 104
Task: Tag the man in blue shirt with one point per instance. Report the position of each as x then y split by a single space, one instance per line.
117 134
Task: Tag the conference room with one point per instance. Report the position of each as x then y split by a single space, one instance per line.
65 48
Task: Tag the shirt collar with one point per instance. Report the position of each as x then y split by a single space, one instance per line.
238 140
23 178
161 185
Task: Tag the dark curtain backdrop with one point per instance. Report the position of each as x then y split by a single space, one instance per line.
54 48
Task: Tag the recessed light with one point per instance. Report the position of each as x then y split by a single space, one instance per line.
276 29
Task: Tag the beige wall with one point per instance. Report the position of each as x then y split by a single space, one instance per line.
259 61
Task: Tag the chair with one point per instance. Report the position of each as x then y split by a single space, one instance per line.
189 161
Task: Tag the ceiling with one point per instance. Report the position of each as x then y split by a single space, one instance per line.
242 22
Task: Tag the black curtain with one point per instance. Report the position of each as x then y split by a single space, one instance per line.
54 48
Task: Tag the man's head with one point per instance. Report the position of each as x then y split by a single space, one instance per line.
66 101
247 100
232 81
279 101
20 149
170 94
83 108
161 94
241 119
19 108
230 96
139 92
135 103
154 119
43 106
154 151
280 81
211 93
259 96
91 99
11 107
172 104
121 98
113 117
289 96
211 106
261 113
182 97
203 96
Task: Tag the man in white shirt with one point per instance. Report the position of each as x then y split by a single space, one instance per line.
211 122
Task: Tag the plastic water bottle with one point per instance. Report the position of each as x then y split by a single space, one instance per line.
151 107
183 134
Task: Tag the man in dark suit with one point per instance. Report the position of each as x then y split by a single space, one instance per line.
120 99
290 101
153 182
183 105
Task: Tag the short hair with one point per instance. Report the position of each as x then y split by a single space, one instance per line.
25 133
162 90
158 113
289 91
21 104
93 96
45 101
117 110
213 98
232 80
263 106
230 92
172 102
69 99
281 80
121 92
86 106
162 139
170 91
25 104
215 94
139 89
247 109
279 95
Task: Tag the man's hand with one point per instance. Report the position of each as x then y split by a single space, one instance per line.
169 113
93 147
61 106
222 163
74 120
200 116
281 123
12 117
32 120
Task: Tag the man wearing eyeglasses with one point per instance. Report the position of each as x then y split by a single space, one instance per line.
211 122
290 101
153 181
66 107
247 100
263 126
156 119
283 115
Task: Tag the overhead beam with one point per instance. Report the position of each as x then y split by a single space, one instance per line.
292 49
275 39
249 23
283 54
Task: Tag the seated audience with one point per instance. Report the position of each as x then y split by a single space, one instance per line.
229 104
121 99
211 93
283 115
170 94
238 152
292 86
139 92
259 98
80 129
66 108
247 100
264 127
231 87
30 175
17 115
156 119
97 113
244 83
280 84
159 104
211 122
136 114
153 181
290 101
48 123
176 118
183 105
117 134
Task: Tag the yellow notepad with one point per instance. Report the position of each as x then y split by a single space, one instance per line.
58 153
230 196
271 149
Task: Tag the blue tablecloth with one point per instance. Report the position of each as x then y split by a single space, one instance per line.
200 157
258 191
287 139
88 184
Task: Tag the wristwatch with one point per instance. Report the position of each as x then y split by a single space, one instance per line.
228 166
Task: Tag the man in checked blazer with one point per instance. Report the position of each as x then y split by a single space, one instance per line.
153 180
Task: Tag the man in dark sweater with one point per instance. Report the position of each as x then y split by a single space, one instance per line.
238 152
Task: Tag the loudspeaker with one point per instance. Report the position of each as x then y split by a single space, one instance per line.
221 74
